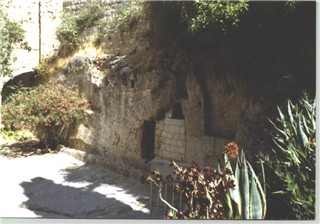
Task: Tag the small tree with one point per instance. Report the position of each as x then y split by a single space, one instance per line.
11 34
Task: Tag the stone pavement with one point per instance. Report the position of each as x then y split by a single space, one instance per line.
60 186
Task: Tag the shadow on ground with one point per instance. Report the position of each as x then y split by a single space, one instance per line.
87 191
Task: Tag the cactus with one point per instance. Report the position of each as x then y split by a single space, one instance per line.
247 199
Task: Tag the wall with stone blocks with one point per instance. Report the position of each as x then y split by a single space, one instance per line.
170 142
74 6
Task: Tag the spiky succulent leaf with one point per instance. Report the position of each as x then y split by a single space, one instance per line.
256 208
245 188
260 190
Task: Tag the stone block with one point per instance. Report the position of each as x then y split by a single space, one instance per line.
182 137
179 143
167 121
157 132
181 130
179 123
181 150
164 134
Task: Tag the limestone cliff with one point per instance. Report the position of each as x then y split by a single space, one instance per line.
174 98
149 102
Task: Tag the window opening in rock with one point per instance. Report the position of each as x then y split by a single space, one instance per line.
148 139
177 111
132 83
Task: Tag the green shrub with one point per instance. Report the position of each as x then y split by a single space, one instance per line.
74 24
11 34
15 135
68 32
293 159
50 109
126 17
42 69
217 13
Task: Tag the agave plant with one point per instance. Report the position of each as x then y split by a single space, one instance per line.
294 155
247 199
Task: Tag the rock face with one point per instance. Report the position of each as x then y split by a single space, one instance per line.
148 104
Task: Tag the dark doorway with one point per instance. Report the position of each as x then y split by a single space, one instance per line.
177 111
148 138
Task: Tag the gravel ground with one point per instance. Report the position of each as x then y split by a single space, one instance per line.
56 185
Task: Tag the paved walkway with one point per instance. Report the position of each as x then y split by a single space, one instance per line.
60 186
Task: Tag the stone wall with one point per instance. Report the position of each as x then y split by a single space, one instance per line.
39 19
76 5
170 142
153 104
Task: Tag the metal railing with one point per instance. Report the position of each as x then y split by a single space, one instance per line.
158 209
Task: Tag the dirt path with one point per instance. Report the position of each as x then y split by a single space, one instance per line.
60 186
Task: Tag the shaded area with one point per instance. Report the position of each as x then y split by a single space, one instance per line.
19 82
87 191
49 199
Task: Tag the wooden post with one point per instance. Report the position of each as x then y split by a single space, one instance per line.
39 21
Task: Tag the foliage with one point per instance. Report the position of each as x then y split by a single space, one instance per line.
19 86
202 187
244 50
68 33
247 200
218 13
126 17
215 194
15 135
73 25
50 109
11 34
294 155
42 69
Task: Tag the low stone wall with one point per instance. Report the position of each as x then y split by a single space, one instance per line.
170 140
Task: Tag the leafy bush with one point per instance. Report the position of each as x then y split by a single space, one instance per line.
68 32
43 68
293 158
72 25
15 135
126 17
218 13
11 33
50 109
